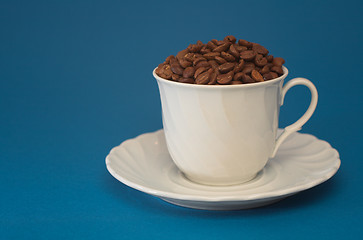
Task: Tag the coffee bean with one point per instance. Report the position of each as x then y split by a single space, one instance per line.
247 69
260 60
165 71
213 64
181 54
236 82
248 55
238 76
241 48
223 47
176 68
204 77
220 60
277 69
211 55
167 60
239 66
259 49
226 67
265 69
175 77
270 75
211 45
233 51
199 59
215 41
205 50
230 38
270 58
184 63
188 72
213 77
186 80
256 76
228 57
247 79
278 61
245 43
225 78
199 71
202 64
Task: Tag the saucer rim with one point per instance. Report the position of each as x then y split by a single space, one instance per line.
250 197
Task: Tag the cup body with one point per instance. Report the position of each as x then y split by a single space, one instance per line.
220 135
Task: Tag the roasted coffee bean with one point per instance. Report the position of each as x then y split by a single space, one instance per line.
167 60
204 77
248 55
211 55
270 58
215 41
239 66
188 72
245 43
213 64
238 76
189 57
220 60
277 69
181 54
241 48
199 59
256 76
186 80
278 61
193 48
236 82
233 51
259 49
202 64
230 38
175 77
228 57
220 42
270 75
205 50
226 67
260 60
265 69
211 45
184 63
199 71
247 69
165 71
247 79
222 48
176 68
225 78
213 77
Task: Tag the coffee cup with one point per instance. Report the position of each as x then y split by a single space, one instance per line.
225 134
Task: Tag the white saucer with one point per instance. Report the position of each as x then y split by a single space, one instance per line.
143 163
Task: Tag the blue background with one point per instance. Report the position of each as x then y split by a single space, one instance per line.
75 81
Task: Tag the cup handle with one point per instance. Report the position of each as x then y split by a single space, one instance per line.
299 123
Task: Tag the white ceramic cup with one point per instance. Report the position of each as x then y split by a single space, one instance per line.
225 134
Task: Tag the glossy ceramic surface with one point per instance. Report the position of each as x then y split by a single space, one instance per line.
144 163
223 135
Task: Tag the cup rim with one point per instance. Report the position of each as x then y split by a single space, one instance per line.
249 85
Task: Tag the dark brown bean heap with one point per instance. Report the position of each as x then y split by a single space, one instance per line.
221 63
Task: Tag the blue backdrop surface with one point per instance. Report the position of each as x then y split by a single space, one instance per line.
75 81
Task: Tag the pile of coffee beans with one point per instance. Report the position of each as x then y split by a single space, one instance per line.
221 63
